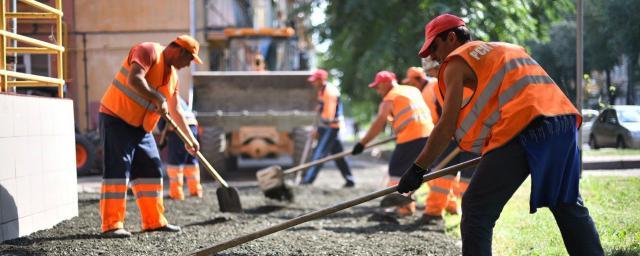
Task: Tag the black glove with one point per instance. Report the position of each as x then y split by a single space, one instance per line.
411 179
357 149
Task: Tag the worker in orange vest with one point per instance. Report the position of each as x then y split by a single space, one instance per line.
144 88
181 164
445 192
411 122
521 123
330 110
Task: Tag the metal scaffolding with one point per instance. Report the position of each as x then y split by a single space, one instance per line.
35 47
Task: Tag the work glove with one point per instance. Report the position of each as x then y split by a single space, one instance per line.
357 149
411 179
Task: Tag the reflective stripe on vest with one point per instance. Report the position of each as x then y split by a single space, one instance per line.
124 101
411 116
417 113
131 94
504 72
490 90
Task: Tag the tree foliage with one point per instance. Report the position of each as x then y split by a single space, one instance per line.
623 23
369 36
610 30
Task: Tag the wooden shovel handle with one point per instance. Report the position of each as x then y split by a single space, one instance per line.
199 155
447 159
326 211
332 157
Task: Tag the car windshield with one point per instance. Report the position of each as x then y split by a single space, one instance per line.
629 115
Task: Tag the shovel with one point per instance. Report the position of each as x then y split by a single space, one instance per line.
228 198
324 212
271 179
397 199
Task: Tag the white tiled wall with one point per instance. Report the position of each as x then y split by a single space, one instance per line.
37 164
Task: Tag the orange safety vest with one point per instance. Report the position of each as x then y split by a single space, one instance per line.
512 90
330 106
124 102
411 116
429 96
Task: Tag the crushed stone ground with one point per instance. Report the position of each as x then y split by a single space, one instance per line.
349 232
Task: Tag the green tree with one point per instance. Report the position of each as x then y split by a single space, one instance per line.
600 51
624 19
369 36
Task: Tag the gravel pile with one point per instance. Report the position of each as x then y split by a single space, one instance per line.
350 232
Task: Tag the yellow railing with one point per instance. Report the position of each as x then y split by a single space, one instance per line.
36 47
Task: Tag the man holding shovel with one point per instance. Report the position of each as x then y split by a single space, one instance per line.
330 111
521 123
144 89
411 121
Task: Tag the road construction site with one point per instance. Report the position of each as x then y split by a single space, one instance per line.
355 231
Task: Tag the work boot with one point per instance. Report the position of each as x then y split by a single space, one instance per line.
430 220
167 228
116 233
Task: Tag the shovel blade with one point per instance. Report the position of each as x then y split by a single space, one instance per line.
395 200
271 177
281 193
228 199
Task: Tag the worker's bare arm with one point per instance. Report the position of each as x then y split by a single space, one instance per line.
456 75
136 79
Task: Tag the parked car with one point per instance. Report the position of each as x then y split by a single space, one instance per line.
588 116
618 126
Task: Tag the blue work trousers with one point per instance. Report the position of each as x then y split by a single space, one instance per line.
128 152
328 142
497 177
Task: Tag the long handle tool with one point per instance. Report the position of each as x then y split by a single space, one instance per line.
324 212
271 179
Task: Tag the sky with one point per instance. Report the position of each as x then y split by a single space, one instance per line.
318 17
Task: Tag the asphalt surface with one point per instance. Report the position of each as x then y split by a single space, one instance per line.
355 231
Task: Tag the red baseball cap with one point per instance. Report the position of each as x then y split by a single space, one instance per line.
319 74
383 76
190 44
436 26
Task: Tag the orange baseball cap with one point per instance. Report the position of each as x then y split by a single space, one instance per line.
190 44
414 73
319 74
436 26
383 76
